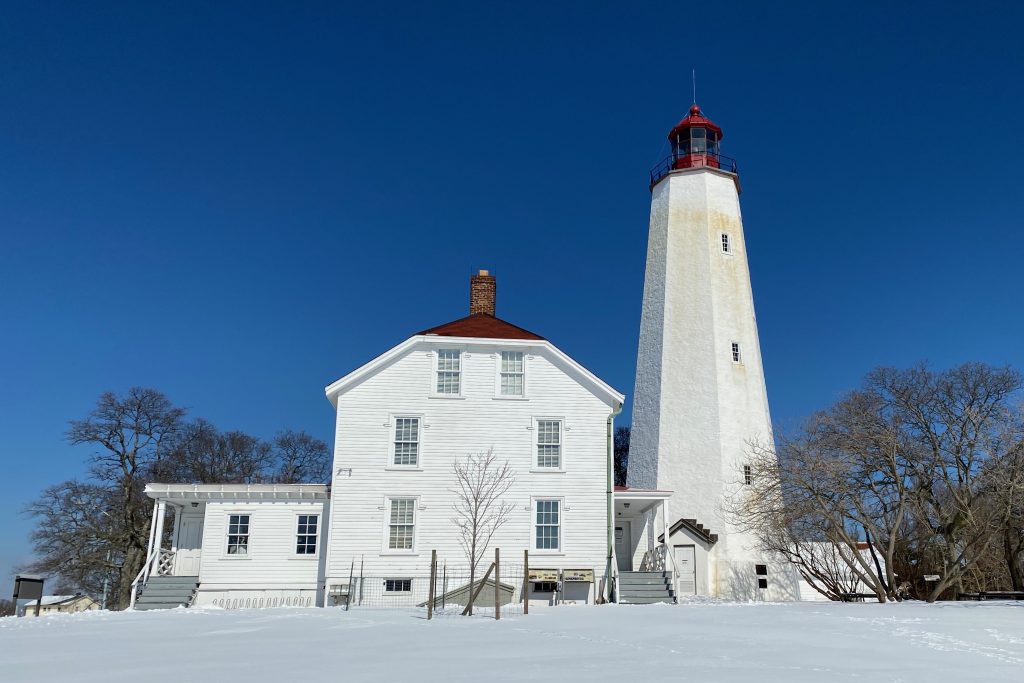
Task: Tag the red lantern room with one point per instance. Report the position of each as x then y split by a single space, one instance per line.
696 142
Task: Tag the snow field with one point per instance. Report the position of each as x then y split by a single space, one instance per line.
711 642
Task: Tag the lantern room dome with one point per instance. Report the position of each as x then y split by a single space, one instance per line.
695 119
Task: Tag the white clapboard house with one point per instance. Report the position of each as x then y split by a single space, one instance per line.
481 383
475 384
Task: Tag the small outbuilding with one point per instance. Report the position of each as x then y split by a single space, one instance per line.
62 604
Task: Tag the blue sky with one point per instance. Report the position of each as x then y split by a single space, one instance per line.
237 203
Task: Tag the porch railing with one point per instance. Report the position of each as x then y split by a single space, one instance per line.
654 559
160 563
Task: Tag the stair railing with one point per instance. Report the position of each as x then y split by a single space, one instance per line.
654 559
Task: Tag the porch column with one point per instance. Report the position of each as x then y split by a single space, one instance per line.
149 547
666 525
158 535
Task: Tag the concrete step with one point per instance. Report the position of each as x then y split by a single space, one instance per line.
643 582
647 575
144 606
172 580
623 600
155 592
654 593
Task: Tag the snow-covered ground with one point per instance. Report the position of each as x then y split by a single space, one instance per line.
707 642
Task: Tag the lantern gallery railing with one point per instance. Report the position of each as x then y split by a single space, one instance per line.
679 161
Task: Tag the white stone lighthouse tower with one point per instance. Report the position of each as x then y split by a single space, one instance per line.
700 392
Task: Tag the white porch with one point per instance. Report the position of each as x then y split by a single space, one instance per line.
172 570
643 567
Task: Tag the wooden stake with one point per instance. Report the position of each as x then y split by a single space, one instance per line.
497 584
474 593
430 589
526 581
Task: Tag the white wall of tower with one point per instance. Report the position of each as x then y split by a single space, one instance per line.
695 409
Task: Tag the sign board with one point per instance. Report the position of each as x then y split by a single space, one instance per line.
28 587
543 575
931 577
578 575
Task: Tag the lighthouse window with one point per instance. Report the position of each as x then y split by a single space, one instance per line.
725 243
736 357
748 475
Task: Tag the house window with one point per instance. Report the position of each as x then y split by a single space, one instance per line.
449 371
401 523
762 575
736 357
512 373
748 475
305 536
725 243
398 585
407 441
548 526
549 443
238 534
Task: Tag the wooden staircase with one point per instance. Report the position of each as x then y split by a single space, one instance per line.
167 592
645 588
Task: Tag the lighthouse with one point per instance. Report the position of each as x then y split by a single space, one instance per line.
700 398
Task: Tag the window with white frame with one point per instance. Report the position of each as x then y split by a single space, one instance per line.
549 444
736 357
548 525
725 243
748 475
449 371
512 373
398 585
401 523
407 442
305 535
238 534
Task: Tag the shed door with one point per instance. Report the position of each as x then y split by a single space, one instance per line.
190 543
686 565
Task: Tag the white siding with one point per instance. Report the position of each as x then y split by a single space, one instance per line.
452 427
271 566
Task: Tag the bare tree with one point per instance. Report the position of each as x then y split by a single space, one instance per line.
130 435
301 458
621 447
923 469
480 508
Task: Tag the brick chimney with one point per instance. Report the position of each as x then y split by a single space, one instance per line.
483 290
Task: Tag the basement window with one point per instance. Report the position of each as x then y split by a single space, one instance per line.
736 356
545 587
398 585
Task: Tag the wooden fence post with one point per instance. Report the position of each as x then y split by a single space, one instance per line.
497 583
430 589
526 581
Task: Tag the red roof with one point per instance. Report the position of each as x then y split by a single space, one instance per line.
481 325
694 120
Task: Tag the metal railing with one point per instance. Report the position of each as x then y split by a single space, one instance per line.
676 162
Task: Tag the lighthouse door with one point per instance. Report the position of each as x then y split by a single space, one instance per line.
686 565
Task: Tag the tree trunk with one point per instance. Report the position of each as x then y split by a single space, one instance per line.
133 561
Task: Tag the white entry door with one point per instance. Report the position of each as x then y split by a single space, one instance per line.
686 566
623 547
190 543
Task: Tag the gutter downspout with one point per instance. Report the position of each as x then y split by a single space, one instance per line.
610 503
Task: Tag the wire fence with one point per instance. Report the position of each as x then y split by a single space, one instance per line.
494 589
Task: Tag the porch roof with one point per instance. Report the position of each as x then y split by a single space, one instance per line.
238 491
631 502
